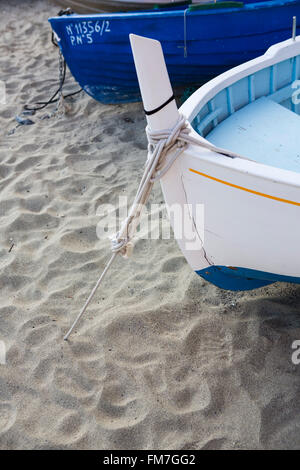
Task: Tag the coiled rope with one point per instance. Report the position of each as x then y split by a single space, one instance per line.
163 143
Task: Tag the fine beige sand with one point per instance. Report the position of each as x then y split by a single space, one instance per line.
162 359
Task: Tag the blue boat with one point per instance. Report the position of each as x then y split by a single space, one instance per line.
199 41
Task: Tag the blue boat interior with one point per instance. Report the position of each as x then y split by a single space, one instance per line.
209 4
187 4
258 116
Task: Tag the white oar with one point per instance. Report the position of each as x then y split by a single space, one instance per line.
154 82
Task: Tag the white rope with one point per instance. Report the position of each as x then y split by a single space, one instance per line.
90 296
160 144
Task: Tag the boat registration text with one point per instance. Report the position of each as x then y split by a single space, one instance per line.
86 32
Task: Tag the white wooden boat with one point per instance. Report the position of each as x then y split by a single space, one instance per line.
250 236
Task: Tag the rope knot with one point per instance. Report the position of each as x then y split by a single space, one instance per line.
167 142
168 138
123 246
163 149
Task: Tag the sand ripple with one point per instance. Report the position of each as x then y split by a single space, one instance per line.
163 360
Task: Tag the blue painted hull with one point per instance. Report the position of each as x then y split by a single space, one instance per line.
98 53
240 279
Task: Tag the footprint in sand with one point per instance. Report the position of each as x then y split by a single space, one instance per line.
191 398
7 416
120 406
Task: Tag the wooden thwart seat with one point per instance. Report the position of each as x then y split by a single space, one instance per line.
263 131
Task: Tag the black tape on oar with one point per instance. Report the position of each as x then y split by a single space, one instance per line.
148 113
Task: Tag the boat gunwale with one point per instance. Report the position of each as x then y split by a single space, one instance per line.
193 105
178 11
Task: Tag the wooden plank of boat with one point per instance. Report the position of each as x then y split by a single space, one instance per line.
250 234
100 6
260 125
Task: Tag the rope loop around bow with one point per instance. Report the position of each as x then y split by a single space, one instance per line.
160 144
168 137
164 147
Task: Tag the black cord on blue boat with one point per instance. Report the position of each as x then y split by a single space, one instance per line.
53 99
43 104
53 40
30 110
67 12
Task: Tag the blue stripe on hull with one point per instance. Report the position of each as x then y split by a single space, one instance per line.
239 279
217 40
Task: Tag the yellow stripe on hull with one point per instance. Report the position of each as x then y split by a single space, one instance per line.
257 193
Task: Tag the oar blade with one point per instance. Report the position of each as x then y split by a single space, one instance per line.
155 86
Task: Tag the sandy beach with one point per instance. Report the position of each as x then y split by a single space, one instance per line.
162 359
